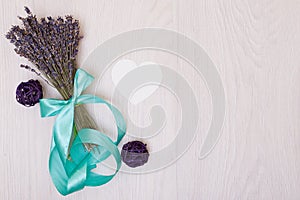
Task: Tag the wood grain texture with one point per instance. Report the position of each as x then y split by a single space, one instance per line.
255 46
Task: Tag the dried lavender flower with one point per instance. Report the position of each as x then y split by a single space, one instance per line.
27 10
51 45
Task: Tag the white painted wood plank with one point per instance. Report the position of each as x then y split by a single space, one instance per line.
256 47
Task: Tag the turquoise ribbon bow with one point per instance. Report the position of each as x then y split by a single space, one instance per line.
72 175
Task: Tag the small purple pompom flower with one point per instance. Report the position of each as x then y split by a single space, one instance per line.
29 93
134 153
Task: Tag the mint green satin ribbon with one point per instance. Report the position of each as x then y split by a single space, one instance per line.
72 175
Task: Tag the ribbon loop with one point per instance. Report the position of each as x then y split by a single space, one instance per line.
72 175
81 81
51 107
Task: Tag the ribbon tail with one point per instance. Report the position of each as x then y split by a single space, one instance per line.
119 119
67 177
98 138
63 130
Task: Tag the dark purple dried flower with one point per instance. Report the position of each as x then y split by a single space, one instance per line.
29 93
134 153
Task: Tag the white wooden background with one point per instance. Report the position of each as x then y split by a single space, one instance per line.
256 47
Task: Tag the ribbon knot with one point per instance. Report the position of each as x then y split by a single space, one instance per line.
72 175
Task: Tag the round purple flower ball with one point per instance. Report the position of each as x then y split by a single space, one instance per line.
29 93
134 153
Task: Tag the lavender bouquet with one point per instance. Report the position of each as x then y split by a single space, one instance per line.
51 45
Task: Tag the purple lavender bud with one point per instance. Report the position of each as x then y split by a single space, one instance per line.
29 93
27 10
134 153
25 66
60 19
69 18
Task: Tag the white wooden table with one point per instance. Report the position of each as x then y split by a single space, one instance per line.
256 47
